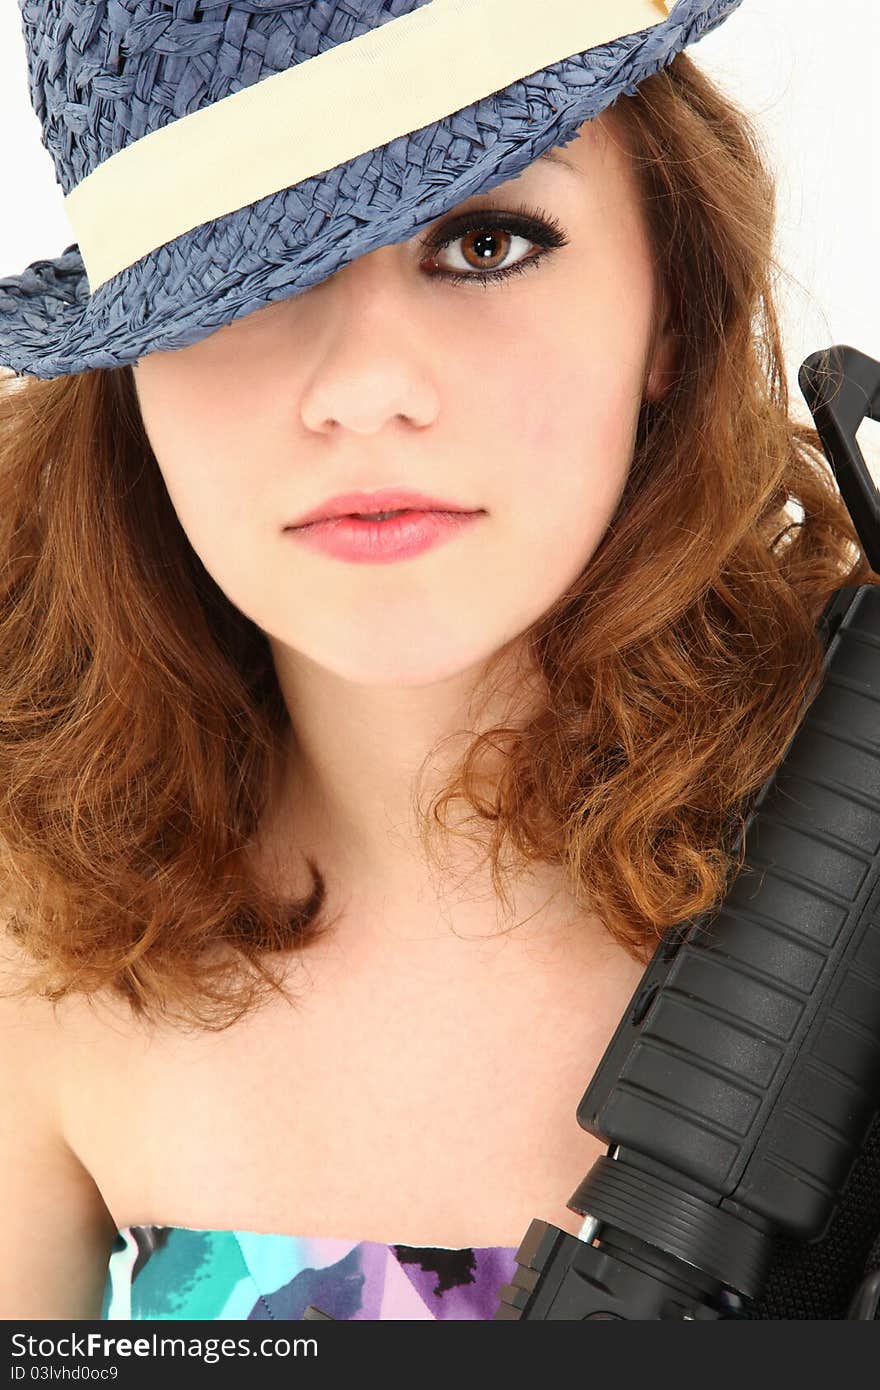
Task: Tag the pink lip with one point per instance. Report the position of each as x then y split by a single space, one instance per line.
381 542
386 500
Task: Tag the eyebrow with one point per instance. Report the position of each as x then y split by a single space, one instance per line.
554 155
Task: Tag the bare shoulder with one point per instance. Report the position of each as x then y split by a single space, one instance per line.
29 1047
18 1005
57 1231
45 1047
26 1019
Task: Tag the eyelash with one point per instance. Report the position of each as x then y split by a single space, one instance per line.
534 224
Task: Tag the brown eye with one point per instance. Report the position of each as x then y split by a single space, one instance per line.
488 246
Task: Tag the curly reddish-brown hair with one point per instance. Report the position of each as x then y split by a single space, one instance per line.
141 720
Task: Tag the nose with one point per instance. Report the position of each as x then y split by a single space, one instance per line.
373 363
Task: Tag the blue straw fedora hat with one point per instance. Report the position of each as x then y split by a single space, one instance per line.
215 157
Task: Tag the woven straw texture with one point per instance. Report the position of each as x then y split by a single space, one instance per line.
104 74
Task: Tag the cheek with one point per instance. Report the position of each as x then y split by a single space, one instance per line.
571 379
199 445
569 438
586 409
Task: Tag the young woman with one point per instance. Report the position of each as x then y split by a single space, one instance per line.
334 850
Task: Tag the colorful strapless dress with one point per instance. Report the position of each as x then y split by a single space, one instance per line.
181 1272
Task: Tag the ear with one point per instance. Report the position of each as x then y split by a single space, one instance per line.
664 362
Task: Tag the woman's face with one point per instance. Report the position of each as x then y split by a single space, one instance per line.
519 397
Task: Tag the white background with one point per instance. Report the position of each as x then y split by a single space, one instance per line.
806 70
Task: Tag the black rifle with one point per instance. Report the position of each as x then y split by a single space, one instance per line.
744 1076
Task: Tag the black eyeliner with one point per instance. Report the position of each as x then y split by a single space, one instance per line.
533 223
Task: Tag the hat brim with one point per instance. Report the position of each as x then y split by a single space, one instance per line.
292 240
